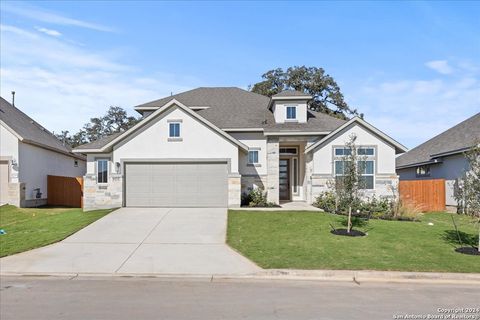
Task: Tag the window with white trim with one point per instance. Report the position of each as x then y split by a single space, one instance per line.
291 112
102 171
252 156
365 168
174 130
422 171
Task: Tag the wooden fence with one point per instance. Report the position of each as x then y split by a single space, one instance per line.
65 191
429 195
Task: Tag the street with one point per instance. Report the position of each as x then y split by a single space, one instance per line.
156 298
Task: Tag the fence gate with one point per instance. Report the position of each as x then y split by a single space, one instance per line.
429 195
65 191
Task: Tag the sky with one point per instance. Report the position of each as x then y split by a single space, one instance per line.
413 68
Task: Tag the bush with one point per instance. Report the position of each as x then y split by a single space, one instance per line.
326 201
257 197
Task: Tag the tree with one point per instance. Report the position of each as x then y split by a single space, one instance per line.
468 191
327 97
115 120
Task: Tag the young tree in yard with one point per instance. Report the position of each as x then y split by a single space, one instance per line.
115 120
349 183
327 97
468 192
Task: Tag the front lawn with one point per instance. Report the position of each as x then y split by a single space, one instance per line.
29 228
302 240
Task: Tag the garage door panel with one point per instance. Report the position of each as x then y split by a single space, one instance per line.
176 184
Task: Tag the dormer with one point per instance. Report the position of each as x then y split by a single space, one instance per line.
290 106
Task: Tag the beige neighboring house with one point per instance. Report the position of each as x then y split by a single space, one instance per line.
28 154
207 146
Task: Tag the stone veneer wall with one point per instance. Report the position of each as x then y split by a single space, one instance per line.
385 186
249 181
98 196
273 161
16 194
234 190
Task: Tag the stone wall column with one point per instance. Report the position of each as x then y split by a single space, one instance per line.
98 196
273 161
234 190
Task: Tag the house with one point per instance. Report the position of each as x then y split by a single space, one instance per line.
28 154
207 146
442 157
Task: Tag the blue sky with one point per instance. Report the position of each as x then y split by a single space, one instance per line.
413 68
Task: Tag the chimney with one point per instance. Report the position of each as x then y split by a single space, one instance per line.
13 98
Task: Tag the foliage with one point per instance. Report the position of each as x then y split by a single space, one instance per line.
468 191
29 228
115 120
327 97
257 197
302 240
327 201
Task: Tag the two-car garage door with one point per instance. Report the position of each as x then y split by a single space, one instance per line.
176 184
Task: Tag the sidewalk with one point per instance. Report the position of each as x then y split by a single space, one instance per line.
357 276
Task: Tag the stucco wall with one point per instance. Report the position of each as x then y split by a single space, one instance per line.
36 163
322 163
280 110
9 151
254 140
198 141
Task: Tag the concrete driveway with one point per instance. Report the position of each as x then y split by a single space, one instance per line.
141 241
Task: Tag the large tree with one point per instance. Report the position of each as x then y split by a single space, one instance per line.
115 120
327 97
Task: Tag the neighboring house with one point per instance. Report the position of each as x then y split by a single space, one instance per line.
206 146
442 156
28 153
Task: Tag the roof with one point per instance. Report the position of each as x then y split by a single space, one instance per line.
399 148
291 93
106 143
455 140
99 143
30 131
233 108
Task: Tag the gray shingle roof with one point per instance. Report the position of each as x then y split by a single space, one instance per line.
230 108
462 136
99 143
290 93
28 129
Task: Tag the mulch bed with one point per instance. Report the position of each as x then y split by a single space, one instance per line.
468 250
344 232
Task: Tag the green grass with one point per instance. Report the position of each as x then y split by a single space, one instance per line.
29 228
302 240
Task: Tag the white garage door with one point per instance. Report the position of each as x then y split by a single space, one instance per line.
176 185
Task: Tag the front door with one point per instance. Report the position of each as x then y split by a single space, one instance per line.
284 177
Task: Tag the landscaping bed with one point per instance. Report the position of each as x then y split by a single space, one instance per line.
29 228
303 240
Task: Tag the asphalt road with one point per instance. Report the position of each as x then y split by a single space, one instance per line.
152 298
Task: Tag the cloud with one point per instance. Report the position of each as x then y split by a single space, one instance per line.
63 85
38 14
415 110
441 66
50 32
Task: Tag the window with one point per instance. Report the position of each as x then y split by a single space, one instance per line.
253 157
288 151
366 151
75 163
365 169
295 175
102 171
291 112
342 151
174 130
423 171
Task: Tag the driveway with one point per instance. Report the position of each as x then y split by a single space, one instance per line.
141 241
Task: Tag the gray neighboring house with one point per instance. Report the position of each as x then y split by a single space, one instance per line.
28 154
442 156
207 146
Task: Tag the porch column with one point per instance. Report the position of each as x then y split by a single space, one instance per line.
273 160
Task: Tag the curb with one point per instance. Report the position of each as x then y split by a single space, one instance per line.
355 276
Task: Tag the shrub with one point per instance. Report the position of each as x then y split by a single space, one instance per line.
404 210
326 201
257 197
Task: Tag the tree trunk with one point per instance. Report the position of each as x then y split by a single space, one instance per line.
349 225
